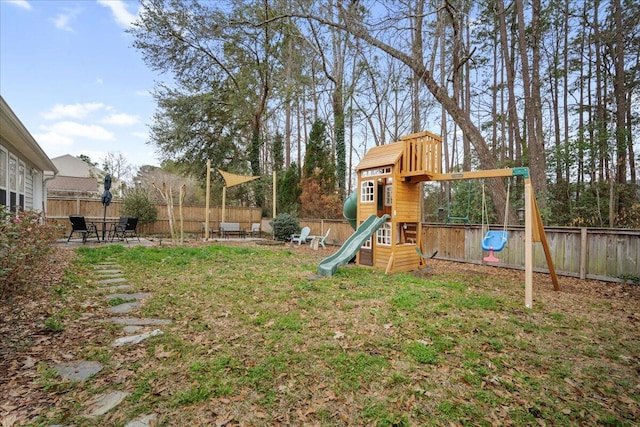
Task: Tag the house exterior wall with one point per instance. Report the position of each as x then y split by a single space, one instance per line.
22 164
21 186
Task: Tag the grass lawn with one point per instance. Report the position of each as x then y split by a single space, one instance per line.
258 339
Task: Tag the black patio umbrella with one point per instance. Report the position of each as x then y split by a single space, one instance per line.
106 199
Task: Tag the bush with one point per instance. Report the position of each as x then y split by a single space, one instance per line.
25 240
284 225
138 203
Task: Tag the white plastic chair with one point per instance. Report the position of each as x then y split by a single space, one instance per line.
302 237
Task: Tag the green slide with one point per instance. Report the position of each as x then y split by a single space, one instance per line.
328 266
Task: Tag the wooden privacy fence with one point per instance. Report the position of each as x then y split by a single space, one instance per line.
586 253
59 209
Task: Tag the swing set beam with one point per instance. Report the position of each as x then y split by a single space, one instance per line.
533 227
489 173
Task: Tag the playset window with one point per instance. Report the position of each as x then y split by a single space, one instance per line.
388 195
383 236
366 244
366 191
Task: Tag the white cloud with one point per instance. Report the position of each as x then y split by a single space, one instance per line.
77 129
61 21
121 119
24 4
74 111
123 17
142 93
53 142
99 81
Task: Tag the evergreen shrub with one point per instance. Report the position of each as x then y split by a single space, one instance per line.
139 203
284 225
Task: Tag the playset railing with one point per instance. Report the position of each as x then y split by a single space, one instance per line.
422 155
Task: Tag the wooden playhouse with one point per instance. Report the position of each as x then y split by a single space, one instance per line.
390 182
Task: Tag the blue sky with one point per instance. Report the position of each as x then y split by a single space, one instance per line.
68 71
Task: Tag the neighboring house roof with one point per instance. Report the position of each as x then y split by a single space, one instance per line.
15 136
69 165
381 155
73 184
76 175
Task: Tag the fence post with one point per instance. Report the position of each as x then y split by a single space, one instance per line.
583 253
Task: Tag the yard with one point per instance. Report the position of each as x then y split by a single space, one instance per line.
257 339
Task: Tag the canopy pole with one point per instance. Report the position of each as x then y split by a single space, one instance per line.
275 189
224 201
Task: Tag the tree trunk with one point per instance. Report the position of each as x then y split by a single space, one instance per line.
620 95
416 47
531 89
515 140
287 103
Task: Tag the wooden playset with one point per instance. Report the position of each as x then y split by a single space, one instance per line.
386 209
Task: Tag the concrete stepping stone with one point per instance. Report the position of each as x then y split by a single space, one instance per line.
135 339
112 280
79 370
132 329
102 267
137 296
113 289
105 264
125 307
108 272
106 402
137 321
145 421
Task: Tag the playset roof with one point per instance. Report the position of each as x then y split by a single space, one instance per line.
381 155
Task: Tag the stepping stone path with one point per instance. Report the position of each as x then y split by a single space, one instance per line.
79 370
111 281
106 402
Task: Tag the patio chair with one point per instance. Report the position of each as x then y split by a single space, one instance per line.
79 225
323 238
115 227
125 228
302 237
255 229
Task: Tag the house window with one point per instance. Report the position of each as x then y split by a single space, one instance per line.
388 195
13 183
21 183
384 234
366 191
3 177
13 173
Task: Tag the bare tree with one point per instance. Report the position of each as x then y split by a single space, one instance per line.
351 21
121 171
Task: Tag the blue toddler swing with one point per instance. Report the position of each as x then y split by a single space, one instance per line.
494 240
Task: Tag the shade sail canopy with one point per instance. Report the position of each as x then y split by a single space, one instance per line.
231 179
